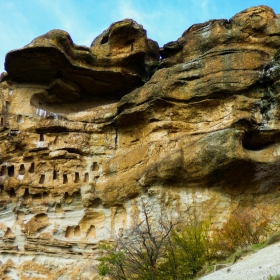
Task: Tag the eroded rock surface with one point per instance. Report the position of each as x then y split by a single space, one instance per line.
85 133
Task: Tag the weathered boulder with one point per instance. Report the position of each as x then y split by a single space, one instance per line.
254 29
118 61
85 133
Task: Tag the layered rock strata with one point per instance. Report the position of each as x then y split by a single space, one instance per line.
85 133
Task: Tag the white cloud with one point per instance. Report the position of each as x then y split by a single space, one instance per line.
74 19
205 8
154 20
63 16
126 9
200 9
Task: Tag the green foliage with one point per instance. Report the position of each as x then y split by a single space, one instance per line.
166 249
112 261
258 246
274 277
158 249
187 251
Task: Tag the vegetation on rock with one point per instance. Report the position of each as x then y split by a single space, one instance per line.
179 248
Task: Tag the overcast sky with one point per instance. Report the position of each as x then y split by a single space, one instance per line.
165 20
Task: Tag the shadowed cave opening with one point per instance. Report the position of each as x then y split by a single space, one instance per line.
259 140
95 166
3 170
49 106
36 196
54 175
96 202
41 138
20 119
31 168
104 40
21 169
86 179
42 179
12 193
77 177
26 194
45 195
11 171
8 105
65 179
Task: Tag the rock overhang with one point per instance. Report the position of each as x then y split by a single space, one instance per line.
108 69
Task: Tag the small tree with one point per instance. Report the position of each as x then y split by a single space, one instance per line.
112 261
187 249
138 252
158 247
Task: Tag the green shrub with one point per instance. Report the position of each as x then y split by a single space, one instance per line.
166 249
112 261
187 251
161 248
274 277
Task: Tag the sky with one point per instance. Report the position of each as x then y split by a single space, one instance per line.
165 20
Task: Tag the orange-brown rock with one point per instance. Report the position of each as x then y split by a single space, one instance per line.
87 132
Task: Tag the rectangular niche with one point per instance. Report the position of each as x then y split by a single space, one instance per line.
21 170
20 119
3 170
12 193
73 232
86 179
2 122
31 168
41 137
54 175
77 177
11 171
42 179
95 166
65 179
8 105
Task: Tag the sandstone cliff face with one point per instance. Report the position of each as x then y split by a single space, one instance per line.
86 132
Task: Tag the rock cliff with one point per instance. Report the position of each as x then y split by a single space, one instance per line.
85 132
